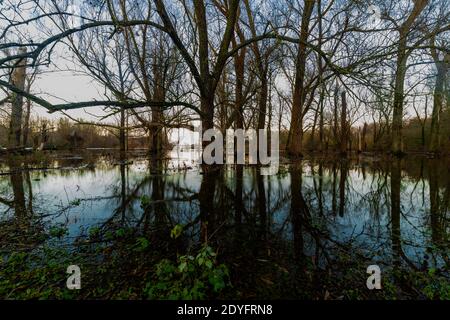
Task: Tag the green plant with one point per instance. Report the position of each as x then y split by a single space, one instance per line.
75 202
176 231
192 277
57 231
21 278
141 244
94 231
434 285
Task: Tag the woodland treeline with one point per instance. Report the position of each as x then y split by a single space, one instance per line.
334 76
62 134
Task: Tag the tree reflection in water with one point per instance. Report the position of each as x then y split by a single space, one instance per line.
309 231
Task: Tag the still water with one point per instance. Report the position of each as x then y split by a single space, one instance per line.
309 231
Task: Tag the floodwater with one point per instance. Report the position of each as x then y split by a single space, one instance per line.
308 232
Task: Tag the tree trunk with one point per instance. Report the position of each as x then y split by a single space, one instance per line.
397 120
26 125
156 132
239 67
396 209
159 94
122 135
206 202
322 85
17 186
238 202
262 65
333 198
298 211
359 145
344 127
313 131
262 207
364 134
423 136
335 117
439 96
263 96
207 108
342 183
402 57
296 130
18 80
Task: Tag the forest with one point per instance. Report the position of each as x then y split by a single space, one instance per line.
104 109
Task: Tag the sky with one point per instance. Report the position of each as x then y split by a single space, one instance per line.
66 86
61 87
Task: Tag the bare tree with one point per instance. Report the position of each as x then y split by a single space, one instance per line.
18 78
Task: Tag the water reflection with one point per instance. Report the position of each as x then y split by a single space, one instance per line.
388 212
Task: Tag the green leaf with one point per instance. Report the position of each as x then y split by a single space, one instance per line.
182 266
176 231
142 244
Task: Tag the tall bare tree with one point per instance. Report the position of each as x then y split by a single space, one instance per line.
18 78
296 131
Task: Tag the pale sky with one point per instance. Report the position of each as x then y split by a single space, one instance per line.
61 87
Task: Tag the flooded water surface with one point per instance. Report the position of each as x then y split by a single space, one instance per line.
308 232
